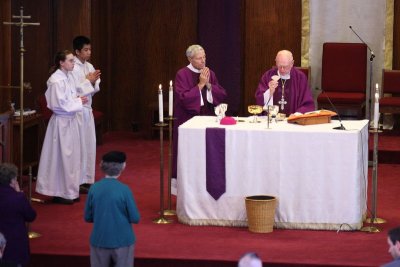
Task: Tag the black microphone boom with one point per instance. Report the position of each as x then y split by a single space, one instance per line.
341 127
369 48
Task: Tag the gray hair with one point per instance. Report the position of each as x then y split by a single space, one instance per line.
250 259
2 241
112 168
193 49
8 172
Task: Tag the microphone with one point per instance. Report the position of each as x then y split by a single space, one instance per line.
370 50
341 127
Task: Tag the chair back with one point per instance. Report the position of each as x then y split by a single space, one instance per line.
391 81
306 71
43 109
344 67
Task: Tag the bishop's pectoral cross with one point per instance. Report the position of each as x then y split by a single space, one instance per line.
283 102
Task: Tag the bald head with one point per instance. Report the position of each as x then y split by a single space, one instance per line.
284 62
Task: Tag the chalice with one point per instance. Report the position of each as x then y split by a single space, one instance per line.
254 109
273 111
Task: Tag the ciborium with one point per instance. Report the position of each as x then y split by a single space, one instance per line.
255 110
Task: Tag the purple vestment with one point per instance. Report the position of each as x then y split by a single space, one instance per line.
187 102
297 92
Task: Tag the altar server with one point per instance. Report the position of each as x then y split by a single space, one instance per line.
60 166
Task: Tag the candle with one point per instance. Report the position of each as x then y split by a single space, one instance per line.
171 99
376 107
160 104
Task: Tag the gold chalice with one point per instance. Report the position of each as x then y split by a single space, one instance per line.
255 109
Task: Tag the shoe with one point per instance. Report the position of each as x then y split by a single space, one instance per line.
64 201
83 189
77 199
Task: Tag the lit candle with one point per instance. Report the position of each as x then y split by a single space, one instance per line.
160 104
376 107
171 99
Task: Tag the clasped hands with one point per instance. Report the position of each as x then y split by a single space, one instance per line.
204 78
93 76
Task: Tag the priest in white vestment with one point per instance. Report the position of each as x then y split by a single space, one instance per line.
60 166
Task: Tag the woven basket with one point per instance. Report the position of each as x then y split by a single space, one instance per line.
260 213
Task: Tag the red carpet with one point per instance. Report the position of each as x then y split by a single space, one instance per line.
64 240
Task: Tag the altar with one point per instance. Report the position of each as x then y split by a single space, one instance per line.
318 174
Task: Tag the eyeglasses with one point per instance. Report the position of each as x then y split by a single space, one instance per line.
284 67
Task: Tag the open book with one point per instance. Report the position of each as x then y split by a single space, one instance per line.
312 117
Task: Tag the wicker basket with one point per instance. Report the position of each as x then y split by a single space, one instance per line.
260 213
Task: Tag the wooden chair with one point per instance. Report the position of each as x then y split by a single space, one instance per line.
344 78
46 114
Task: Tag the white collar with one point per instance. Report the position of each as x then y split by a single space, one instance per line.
77 60
190 66
284 77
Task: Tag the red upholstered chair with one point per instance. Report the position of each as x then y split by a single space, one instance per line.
344 78
46 114
306 71
42 109
390 101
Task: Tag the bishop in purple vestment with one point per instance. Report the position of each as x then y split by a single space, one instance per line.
197 92
290 90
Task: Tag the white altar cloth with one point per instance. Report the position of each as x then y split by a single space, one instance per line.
318 174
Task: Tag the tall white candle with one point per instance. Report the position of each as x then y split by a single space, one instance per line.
376 107
170 99
160 104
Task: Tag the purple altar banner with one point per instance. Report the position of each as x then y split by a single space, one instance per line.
215 162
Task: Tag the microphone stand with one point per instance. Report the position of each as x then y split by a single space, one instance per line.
369 92
341 127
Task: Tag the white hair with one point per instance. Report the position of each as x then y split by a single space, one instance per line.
250 259
193 49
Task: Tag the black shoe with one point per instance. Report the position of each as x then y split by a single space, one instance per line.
64 201
83 189
77 199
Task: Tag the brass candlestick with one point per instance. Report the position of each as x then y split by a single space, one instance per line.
31 234
161 219
374 219
169 211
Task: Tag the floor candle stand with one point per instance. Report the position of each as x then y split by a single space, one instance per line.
161 219
374 219
31 234
169 211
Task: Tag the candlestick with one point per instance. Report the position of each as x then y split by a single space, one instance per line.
376 107
160 104
171 99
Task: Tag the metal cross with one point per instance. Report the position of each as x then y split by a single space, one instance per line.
282 102
21 24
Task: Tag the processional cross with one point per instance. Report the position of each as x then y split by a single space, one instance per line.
21 24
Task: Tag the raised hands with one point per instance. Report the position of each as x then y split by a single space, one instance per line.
273 83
